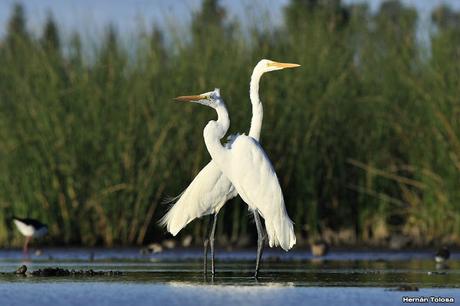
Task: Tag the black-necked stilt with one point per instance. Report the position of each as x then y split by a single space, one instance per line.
30 228
442 255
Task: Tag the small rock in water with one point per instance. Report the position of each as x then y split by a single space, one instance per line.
21 270
169 243
187 241
319 248
155 248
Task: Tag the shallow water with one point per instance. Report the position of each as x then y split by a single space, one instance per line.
176 278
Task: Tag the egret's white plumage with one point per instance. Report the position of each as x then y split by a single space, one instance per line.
249 169
206 195
210 190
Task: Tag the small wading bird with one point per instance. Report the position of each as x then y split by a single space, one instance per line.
30 228
442 255
246 165
210 189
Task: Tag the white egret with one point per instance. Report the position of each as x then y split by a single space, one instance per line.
210 190
30 228
247 166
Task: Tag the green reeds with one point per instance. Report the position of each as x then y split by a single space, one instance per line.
365 136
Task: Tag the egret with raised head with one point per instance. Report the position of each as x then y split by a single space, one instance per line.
210 189
247 166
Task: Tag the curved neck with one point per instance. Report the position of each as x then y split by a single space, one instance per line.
257 109
223 121
215 131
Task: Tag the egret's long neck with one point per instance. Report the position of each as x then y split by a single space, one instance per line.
223 121
215 131
257 109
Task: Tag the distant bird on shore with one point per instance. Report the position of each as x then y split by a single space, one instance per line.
210 189
30 228
442 255
245 163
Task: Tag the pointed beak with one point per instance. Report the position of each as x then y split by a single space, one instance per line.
284 65
189 98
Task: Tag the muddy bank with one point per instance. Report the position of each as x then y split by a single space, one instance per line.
56 271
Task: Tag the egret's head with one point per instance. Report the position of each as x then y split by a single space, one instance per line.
211 98
266 65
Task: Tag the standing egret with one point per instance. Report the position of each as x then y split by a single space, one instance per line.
210 189
30 228
247 166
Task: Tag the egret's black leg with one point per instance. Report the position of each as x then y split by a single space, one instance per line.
205 243
211 241
260 241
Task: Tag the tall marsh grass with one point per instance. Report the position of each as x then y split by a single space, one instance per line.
365 136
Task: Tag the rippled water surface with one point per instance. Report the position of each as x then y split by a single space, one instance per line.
176 278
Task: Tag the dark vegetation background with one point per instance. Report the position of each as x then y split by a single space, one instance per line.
365 136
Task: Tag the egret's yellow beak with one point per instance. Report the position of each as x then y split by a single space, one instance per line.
283 65
189 98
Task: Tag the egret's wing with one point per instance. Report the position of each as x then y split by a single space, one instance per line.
207 193
255 179
254 174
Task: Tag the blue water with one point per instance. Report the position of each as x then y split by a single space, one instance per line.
101 293
175 277
196 253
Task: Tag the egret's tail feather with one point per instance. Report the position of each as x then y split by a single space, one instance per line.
205 195
177 217
280 231
184 209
